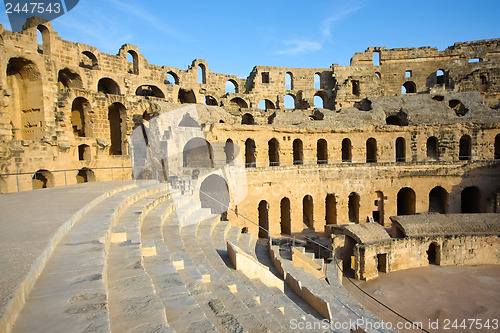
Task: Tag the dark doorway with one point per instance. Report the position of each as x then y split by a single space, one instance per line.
406 201
471 200
263 219
286 225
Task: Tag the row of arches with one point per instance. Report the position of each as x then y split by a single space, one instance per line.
405 201
45 179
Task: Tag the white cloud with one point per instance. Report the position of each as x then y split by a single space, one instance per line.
338 16
296 46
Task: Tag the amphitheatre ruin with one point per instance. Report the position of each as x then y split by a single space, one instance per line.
146 198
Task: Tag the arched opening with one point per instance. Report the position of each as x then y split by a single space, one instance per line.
406 201
440 77
289 101
400 150
108 86
298 155
214 194
172 78
378 214
371 150
85 175
307 212
471 200
274 152
133 62
43 39
434 254
250 154
42 179
117 128
289 81
186 96
83 153
286 221
197 153
263 219
67 79
331 209
150 91
318 101
409 87
26 100
229 151
497 147
202 74
209 100
432 148
239 102
394 120
378 75
317 81
355 87
89 60
438 200
79 113
247 119
322 151
346 150
265 104
231 86
464 152
353 205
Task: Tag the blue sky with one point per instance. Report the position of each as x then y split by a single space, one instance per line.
233 36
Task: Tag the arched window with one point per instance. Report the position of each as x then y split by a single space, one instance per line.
231 86
89 60
43 35
250 154
186 96
265 104
247 119
318 101
322 151
274 153
286 221
409 87
438 200
68 79
263 219
172 78
317 81
202 74
440 77
149 90
406 201
289 101
432 148
465 152
400 150
353 205
471 200
239 102
346 150
83 153
307 211
371 150
289 81
79 113
108 86
117 127
133 61
197 153
229 151
42 179
331 209
298 155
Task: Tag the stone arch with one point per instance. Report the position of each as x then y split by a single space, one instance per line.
322 151
409 87
331 209
308 211
108 86
496 154
371 150
432 148
239 102
214 194
26 100
400 149
286 220
85 175
318 81
290 101
45 33
186 96
67 79
471 200
80 109
266 104
89 60
172 78
263 219
210 100
250 154
353 206
84 152
197 153
465 149
134 69
274 152
289 81
248 119
319 100
346 150
406 201
438 200
229 151
43 179
298 152
149 90
117 117
202 74
232 86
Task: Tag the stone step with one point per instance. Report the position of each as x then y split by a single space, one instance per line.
70 294
132 299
